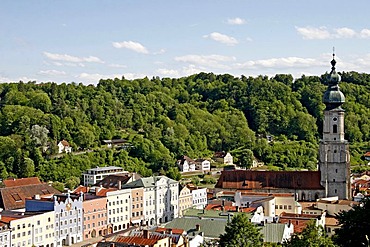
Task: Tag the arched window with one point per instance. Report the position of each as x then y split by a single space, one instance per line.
335 128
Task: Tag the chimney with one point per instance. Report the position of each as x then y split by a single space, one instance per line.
119 184
36 197
145 233
197 227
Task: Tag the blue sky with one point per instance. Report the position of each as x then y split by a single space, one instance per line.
86 40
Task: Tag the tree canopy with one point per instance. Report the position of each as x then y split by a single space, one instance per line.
311 236
355 226
241 232
164 118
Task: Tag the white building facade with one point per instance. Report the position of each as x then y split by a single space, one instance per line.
119 209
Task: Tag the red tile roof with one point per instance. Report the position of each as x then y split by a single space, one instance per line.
173 230
64 143
299 221
11 182
243 179
103 191
139 240
14 197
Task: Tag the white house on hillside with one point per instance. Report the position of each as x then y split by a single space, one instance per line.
186 164
203 165
64 147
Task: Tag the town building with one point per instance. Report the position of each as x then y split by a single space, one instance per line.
185 199
95 175
202 165
119 209
64 147
199 196
94 216
30 228
186 164
160 197
137 206
68 214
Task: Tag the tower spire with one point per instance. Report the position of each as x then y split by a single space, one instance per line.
333 97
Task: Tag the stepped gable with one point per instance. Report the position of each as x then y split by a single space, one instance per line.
248 180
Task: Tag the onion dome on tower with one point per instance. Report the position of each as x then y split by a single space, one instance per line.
333 97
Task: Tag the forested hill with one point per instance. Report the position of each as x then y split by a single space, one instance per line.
165 118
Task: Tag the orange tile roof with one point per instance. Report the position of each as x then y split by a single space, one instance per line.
331 221
65 143
173 230
12 182
138 240
103 191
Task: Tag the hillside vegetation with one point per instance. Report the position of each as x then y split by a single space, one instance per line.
163 118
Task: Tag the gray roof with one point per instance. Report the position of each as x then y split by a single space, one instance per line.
211 228
147 182
273 232
106 168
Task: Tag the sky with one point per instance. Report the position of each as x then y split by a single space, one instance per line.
83 41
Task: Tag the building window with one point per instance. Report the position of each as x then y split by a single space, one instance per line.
335 128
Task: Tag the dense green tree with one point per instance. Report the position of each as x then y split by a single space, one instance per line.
241 232
311 236
355 226
72 182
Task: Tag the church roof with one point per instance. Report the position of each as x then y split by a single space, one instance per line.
244 179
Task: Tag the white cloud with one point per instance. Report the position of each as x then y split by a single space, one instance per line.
114 65
337 33
191 70
236 21
52 72
72 59
168 72
131 45
211 61
161 51
222 38
4 79
365 33
284 62
313 33
344 32
87 78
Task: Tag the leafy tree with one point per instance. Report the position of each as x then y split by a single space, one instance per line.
355 226
241 232
72 182
27 168
39 135
195 180
311 236
58 185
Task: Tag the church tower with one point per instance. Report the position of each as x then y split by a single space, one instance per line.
334 155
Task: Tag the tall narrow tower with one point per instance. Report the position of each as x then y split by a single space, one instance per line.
334 155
